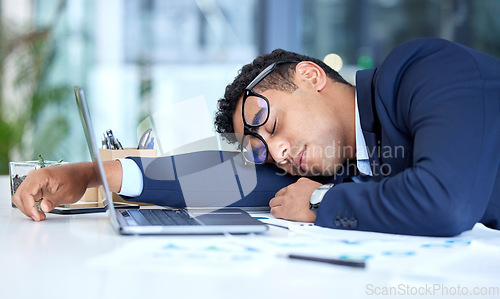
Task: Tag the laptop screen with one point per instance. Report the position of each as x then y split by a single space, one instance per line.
104 193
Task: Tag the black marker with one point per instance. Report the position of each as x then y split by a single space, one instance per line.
339 262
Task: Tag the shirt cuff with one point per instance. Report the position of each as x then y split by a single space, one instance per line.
132 181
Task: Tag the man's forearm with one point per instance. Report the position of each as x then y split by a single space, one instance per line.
113 170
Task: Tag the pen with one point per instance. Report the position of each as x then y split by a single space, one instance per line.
339 262
104 142
109 141
277 225
332 261
151 143
118 145
145 139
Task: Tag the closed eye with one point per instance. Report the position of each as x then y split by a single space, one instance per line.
274 127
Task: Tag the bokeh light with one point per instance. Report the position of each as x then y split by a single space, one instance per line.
365 62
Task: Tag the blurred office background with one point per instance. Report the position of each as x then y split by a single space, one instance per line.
134 57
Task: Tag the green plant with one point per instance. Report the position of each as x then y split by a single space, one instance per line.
41 160
26 94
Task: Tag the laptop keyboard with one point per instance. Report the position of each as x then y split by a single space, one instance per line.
161 217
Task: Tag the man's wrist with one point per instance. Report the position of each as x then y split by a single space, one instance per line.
87 173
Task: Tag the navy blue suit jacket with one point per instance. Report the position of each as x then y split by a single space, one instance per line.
430 115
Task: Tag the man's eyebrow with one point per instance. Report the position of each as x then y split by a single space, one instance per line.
257 116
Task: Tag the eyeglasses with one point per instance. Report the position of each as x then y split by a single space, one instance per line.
255 112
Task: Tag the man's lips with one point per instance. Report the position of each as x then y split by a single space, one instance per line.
299 162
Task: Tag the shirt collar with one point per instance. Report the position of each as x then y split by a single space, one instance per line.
362 159
361 151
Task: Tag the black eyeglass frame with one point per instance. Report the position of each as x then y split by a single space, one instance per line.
247 127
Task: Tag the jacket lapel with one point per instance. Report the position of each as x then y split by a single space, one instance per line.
368 118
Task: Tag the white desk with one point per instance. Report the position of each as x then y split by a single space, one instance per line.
81 257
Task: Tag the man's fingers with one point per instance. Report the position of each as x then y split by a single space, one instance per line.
282 192
28 207
24 201
56 185
32 202
41 216
26 195
48 204
45 205
277 212
276 201
281 212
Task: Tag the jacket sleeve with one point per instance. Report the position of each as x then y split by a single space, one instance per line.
208 178
438 91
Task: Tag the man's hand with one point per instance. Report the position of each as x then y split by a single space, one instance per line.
62 184
292 202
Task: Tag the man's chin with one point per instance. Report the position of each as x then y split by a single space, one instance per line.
314 172
310 173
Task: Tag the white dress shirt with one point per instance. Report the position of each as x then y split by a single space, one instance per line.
363 160
132 182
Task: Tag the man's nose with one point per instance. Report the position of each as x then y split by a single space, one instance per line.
279 149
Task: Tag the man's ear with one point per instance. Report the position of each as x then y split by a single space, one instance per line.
312 74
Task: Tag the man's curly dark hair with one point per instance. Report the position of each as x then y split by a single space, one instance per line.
281 78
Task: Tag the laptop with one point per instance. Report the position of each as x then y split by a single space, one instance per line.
152 221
